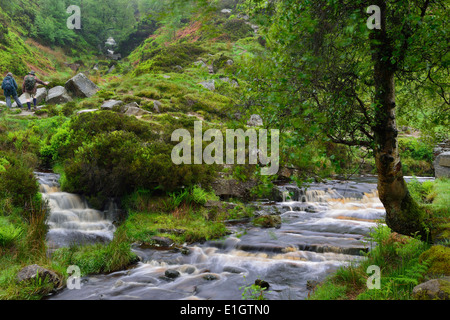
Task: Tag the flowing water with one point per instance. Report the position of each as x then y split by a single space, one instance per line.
322 229
71 221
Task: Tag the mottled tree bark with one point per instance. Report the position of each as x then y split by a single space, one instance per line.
403 214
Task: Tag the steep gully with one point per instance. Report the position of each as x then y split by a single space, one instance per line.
323 228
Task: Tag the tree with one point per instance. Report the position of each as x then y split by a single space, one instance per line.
329 70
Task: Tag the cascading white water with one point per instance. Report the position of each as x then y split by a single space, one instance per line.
71 221
322 229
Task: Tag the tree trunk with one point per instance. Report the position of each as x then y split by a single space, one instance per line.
403 214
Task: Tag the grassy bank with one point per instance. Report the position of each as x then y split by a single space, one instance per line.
404 262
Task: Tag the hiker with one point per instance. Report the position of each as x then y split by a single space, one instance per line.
9 87
29 87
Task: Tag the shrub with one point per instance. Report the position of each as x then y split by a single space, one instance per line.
117 163
415 149
18 183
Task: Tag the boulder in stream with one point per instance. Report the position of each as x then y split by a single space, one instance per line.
162 242
172 274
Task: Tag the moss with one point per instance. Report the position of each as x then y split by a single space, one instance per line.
439 259
268 221
168 58
236 29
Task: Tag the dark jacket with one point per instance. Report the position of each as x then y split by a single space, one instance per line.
12 91
35 86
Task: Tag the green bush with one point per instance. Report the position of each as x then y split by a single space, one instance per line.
415 149
18 183
117 163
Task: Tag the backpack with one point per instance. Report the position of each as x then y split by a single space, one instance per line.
30 83
8 85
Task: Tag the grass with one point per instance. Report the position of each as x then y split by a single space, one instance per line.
27 247
141 227
98 258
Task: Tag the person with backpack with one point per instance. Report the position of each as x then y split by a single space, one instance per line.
29 88
9 87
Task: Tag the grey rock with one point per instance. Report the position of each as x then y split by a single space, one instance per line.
172 274
41 95
124 108
30 273
225 11
136 111
442 165
210 277
231 188
209 84
113 56
436 289
201 63
81 86
58 95
255 121
156 106
111 69
110 104
444 159
234 269
162 241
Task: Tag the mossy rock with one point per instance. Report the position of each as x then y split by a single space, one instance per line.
436 289
439 257
268 222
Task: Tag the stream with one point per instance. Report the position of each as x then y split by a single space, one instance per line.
322 229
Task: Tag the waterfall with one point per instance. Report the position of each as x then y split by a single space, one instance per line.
71 221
